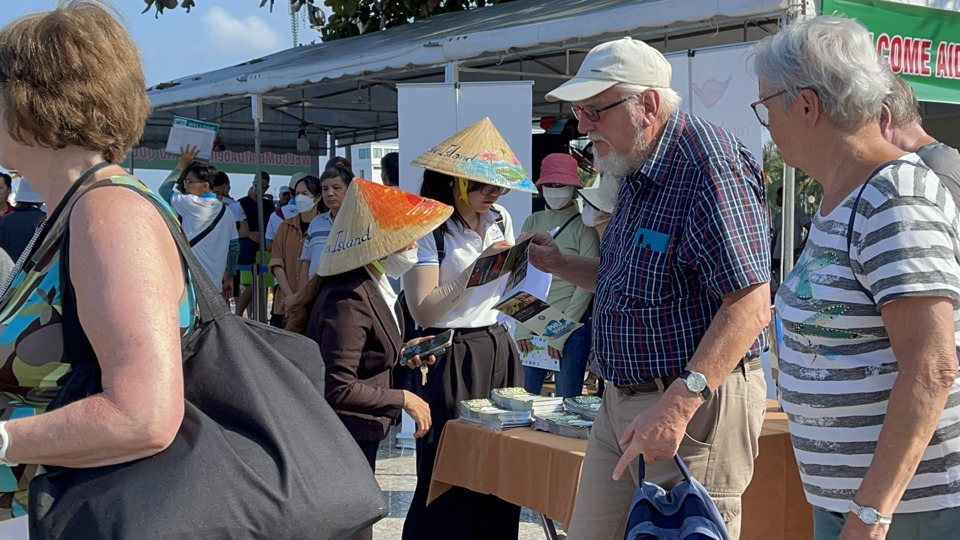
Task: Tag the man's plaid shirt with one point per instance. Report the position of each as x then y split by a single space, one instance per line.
690 227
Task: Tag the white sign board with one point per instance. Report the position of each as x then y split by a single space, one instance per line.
189 132
429 113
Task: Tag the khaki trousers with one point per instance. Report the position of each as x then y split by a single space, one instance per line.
719 447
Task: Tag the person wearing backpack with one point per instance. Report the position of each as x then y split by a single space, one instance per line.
483 355
559 183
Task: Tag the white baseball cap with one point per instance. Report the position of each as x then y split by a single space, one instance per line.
298 176
625 60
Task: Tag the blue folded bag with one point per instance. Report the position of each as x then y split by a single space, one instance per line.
686 512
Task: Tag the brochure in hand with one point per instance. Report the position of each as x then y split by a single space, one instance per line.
526 293
518 399
585 406
492 267
538 356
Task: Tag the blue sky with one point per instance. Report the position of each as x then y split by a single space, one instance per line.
215 34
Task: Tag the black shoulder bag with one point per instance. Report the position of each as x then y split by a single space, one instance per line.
259 455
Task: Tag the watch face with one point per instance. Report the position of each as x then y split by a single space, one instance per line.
696 382
869 516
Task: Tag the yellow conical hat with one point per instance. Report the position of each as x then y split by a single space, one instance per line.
479 153
374 221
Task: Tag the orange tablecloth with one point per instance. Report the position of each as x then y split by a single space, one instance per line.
541 471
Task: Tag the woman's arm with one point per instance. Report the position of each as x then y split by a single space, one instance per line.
927 362
128 278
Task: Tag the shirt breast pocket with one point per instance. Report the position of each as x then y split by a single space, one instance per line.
647 270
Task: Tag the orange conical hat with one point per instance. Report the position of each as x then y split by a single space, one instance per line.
478 152
374 221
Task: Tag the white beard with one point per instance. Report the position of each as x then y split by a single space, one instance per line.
620 165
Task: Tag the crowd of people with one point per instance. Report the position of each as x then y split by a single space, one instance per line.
665 260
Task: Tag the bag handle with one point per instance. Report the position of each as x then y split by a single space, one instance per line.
676 458
209 300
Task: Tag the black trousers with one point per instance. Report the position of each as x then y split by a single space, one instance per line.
479 360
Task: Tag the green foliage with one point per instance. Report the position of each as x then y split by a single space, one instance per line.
807 191
353 17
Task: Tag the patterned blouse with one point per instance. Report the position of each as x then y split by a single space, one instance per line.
33 366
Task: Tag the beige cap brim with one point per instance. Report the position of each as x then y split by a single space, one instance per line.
580 89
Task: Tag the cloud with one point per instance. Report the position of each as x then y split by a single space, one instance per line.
229 33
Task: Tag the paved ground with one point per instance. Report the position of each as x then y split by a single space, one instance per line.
396 472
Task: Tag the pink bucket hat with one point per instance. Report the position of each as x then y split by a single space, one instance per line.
559 169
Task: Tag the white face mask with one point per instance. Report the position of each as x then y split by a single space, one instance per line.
558 197
305 203
398 264
593 217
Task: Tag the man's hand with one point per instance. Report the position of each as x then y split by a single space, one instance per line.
525 346
556 354
655 434
544 252
187 156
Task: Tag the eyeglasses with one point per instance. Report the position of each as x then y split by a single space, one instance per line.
487 189
490 189
592 113
760 109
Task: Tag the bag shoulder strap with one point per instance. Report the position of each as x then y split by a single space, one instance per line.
564 226
213 225
853 214
209 301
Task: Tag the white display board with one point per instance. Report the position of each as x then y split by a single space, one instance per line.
722 87
429 113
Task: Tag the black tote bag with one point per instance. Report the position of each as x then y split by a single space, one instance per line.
260 453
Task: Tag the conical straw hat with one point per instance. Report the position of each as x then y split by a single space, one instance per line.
478 153
374 221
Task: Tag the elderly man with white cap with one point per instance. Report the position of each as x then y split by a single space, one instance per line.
682 291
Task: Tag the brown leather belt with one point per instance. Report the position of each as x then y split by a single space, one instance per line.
662 383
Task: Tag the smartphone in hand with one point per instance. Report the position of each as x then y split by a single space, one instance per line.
435 345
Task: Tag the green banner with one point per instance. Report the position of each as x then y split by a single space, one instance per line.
920 44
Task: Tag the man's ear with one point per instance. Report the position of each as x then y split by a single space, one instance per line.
651 103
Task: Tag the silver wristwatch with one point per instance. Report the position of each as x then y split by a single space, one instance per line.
696 383
869 516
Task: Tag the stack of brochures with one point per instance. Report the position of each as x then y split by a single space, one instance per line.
585 406
484 413
518 399
565 424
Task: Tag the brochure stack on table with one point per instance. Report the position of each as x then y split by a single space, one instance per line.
518 399
565 424
585 406
484 413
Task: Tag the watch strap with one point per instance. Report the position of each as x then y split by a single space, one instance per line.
706 393
857 510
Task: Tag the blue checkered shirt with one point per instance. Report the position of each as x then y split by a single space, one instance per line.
690 227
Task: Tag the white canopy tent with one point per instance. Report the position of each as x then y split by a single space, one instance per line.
344 92
346 89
